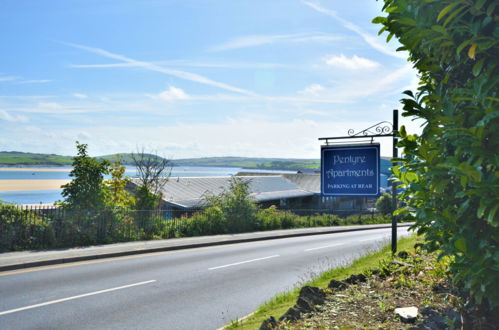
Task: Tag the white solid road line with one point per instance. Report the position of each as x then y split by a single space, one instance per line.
74 297
244 262
324 247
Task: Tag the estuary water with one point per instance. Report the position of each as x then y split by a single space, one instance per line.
62 173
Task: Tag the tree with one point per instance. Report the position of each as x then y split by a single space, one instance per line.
115 191
238 208
85 191
450 171
153 173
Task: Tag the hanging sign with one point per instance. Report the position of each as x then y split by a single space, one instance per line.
350 170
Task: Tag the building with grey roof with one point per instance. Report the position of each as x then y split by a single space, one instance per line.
189 193
299 192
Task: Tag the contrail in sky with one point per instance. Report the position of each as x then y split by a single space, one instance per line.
154 67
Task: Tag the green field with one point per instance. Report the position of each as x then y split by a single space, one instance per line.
11 158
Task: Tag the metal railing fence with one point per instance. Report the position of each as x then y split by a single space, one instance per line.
39 227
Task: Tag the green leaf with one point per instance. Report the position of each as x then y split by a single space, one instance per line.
407 21
477 68
491 217
391 9
402 211
454 14
479 4
460 244
379 20
444 11
408 92
402 131
462 46
481 209
490 8
439 29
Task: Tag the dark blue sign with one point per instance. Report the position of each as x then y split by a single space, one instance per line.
350 170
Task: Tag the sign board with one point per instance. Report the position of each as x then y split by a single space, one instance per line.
350 170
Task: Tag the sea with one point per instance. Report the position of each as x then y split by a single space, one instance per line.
62 173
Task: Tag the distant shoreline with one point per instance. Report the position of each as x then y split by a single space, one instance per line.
35 169
31 185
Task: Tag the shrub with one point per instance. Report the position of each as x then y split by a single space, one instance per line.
384 204
450 171
23 230
272 218
237 207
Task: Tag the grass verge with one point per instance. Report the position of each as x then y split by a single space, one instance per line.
278 305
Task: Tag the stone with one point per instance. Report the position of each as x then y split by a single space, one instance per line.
269 324
337 285
292 314
418 246
313 294
407 314
305 305
356 279
401 263
403 255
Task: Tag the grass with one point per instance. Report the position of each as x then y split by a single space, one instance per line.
24 158
278 305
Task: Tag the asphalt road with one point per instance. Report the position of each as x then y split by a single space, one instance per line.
203 288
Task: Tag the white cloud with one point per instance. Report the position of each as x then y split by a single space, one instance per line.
153 67
189 63
35 81
172 94
56 108
313 90
7 78
80 95
353 90
20 80
233 137
353 63
259 40
374 41
4 115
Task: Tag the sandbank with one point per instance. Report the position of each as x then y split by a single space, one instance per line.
27 185
35 169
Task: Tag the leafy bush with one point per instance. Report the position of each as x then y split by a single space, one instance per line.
450 171
384 204
272 218
210 221
237 207
20 230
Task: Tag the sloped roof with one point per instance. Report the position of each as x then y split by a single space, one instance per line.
190 192
308 182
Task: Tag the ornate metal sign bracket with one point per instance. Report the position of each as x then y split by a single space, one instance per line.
381 129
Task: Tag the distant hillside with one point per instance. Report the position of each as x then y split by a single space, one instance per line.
251 163
11 158
126 158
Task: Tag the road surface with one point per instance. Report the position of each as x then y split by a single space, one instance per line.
202 288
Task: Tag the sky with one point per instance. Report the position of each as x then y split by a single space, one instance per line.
195 78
